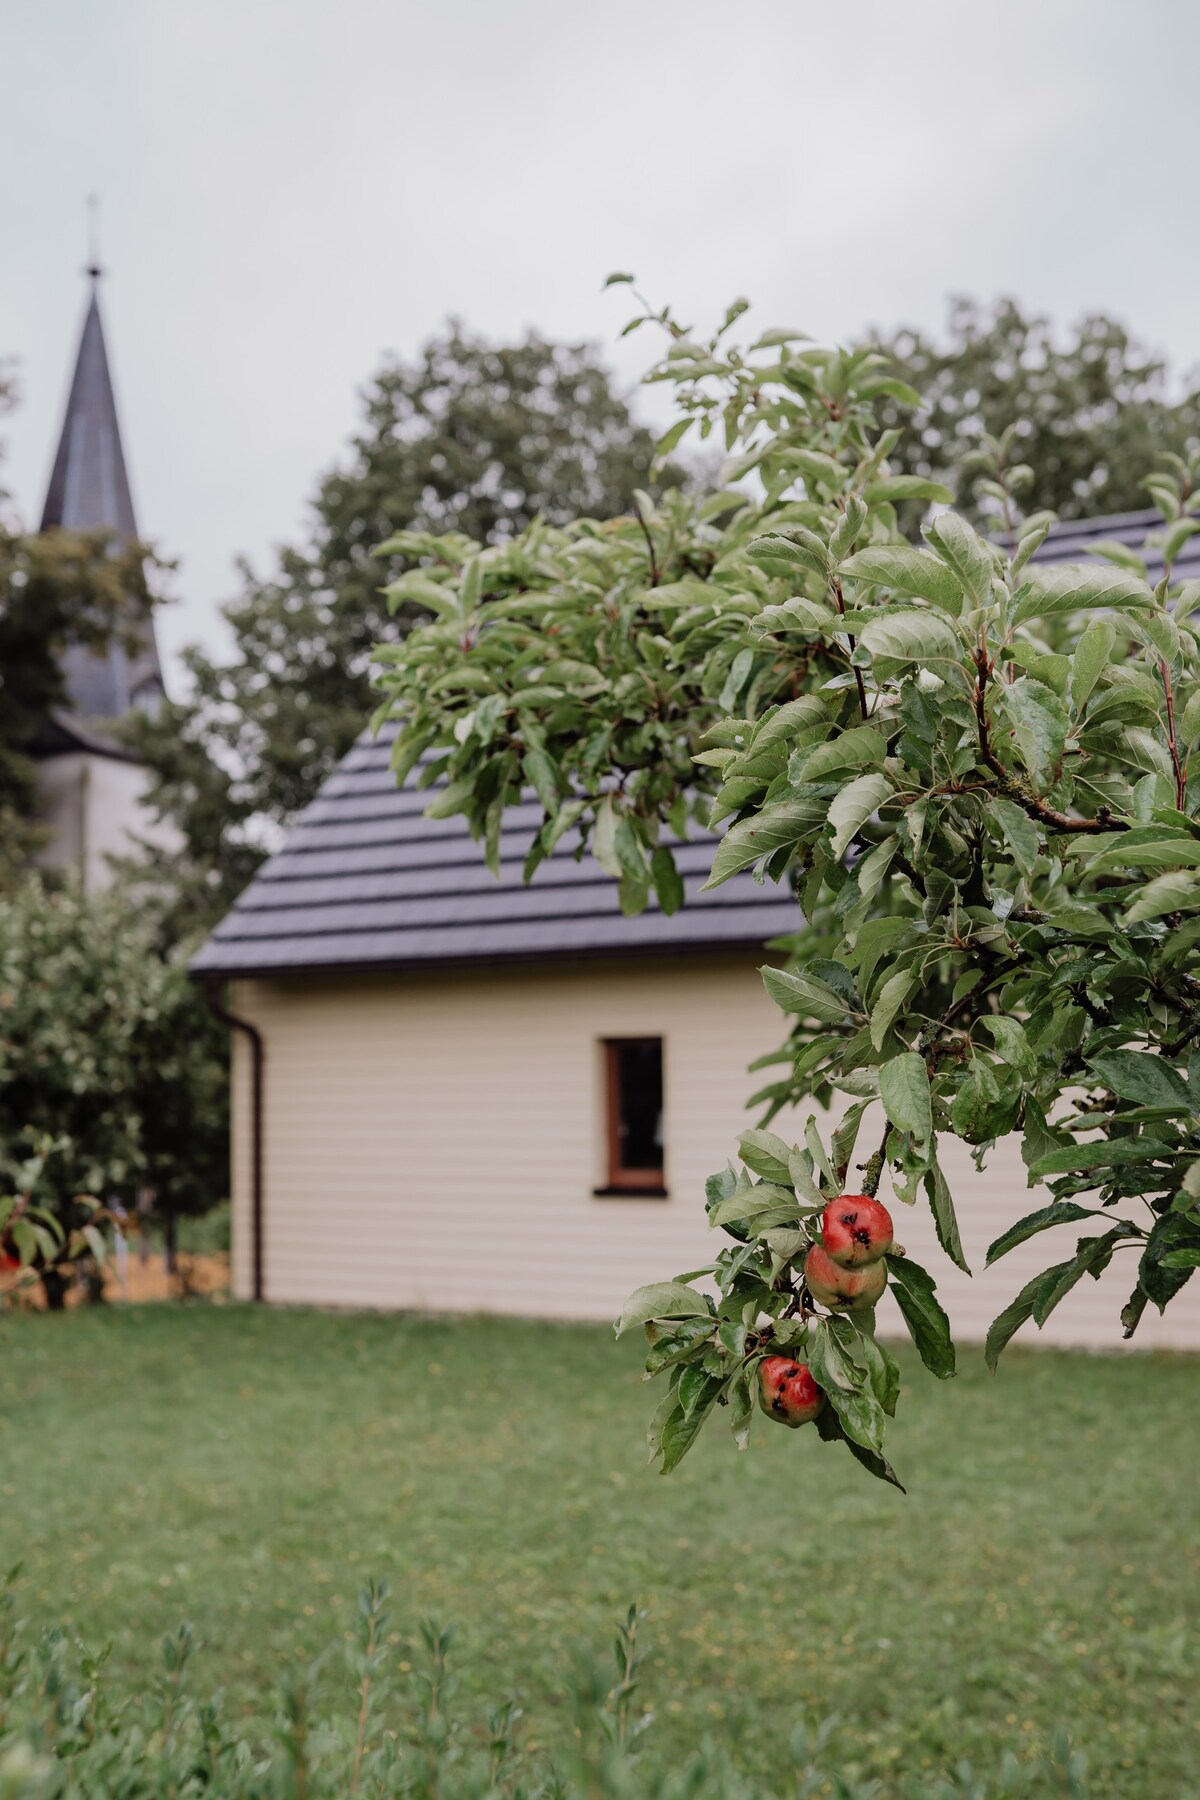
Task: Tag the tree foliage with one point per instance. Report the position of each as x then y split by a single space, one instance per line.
471 436
57 588
1093 408
108 1052
972 769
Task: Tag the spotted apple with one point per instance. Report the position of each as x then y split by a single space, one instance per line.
787 1391
856 1230
842 1290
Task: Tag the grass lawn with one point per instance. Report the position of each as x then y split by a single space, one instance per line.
247 1469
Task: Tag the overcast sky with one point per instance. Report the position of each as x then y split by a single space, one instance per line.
290 188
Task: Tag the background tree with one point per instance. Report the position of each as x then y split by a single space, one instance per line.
471 436
106 1048
1092 407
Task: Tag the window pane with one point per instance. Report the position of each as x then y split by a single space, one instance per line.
639 1125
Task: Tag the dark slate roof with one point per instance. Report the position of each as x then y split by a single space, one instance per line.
364 881
89 491
1074 541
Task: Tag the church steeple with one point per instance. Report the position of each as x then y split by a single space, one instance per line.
89 491
89 486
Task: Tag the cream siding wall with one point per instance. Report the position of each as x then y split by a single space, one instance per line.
94 806
432 1142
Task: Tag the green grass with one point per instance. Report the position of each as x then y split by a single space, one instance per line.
247 1470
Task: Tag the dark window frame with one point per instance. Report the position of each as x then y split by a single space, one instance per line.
623 1182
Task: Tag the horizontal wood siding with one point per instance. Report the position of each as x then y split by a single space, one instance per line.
433 1142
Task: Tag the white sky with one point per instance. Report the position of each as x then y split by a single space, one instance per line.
292 187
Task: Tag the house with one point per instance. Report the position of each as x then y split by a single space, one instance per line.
458 1094
90 785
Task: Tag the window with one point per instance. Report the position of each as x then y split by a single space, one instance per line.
633 1082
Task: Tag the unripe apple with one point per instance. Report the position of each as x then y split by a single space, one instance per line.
787 1392
856 1230
843 1290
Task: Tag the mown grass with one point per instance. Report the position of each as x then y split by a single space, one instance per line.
248 1469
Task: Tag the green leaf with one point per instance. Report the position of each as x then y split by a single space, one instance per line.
669 439
1117 1153
683 1427
1090 659
883 1371
904 1090
921 637
542 776
877 1465
760 1208
661 1300
1037 721
1060 1212
796 992
962 549
1171 1235
831 1357
891 488
767 1155
1058 1282
1017 1313
1145 1080
1148 847
1071 587
941 1204
1012 1044
906 571
1189 720
850 810
604 838
841 1145
829 1428
668 883
862 744
890 1000
1020 832
1174 892
915 1292
752 839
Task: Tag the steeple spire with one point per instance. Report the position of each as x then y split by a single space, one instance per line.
89 491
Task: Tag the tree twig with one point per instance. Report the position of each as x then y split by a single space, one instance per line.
655 572
1172 740
1037 809
840 603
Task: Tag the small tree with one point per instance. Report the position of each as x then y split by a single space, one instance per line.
108 1052
973 771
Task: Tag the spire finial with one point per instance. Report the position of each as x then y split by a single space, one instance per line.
94 266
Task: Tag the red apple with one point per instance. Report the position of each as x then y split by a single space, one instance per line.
842 1290
787 1392
856 1230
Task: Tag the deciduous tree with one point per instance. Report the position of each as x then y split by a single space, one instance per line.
471 436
